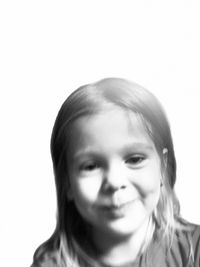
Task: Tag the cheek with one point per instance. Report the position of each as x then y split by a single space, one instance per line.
149 187
85 190
151 199
150 178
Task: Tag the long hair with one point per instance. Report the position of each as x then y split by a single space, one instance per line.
68 244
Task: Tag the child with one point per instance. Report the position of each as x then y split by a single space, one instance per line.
115 172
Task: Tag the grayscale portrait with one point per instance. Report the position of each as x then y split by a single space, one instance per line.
115 171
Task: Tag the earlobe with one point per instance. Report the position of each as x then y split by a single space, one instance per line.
165 150
165 156
164 164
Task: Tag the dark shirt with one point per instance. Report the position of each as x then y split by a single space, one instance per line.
184 252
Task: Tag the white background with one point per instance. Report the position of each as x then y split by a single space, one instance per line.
48 49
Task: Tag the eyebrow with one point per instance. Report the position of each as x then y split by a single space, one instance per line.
128 148
138 146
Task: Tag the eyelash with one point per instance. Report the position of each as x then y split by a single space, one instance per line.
92 166
135 160
89 166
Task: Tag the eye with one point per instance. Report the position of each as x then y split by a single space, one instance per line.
135 160
89 166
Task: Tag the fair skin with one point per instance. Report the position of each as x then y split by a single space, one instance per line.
115 176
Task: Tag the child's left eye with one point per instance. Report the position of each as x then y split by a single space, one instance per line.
134 160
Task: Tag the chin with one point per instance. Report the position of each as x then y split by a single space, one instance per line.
122 228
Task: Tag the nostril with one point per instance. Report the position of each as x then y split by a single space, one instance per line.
112 187
114 177
123 187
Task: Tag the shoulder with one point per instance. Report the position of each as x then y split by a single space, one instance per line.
47 260
187 241
187 230
47 263
184 249
47 254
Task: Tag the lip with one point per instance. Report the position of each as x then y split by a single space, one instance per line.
119 205
116 211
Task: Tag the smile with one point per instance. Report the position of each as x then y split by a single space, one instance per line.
116 210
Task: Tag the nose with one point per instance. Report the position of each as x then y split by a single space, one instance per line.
115 177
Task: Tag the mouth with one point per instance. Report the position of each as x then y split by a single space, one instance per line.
117 204
117 210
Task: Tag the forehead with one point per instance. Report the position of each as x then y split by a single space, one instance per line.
110 129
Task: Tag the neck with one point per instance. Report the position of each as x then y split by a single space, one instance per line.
122 250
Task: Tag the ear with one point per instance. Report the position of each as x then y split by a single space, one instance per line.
163 165
165 156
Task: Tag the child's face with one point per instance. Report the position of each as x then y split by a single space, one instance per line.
114 172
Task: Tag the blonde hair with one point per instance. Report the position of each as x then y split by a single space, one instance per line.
68 245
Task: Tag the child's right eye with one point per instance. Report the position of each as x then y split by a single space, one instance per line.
89 166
